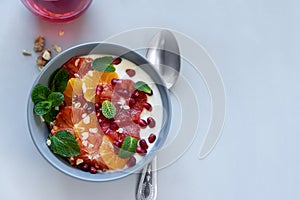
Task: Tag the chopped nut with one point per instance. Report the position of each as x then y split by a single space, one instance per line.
57 48
26 53
84 143
46 54
91 73
85 135
77 61
43 58
51 124
87 120
120 130
61 32
77 105
42 118
93 130
79 161
83 115
39 43
95 156
85 106
83 87
41 62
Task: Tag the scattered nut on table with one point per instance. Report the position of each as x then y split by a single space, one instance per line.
61 32
26 53
43 58
39 43
57 48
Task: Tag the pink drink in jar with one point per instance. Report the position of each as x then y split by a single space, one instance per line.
57 10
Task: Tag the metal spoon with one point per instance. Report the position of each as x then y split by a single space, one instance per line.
163 53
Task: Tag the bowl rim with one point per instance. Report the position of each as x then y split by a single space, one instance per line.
34 122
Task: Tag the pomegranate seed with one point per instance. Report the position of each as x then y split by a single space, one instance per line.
151 138
115 81
98 113
142 123
100 120
131 102
140 150
130 72
117 143
114 126
99 88
151 122
147 106
123 92
135 94
131 162
85 167
143 144
117 61
97 106
63 104
93 170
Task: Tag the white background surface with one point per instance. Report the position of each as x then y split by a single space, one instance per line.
256 47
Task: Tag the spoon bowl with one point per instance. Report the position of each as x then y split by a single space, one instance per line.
164 54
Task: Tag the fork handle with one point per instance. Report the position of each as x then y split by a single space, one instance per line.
147 188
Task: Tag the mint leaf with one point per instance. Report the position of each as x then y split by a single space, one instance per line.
108 109
60 81
56 98
142 86
42 107
128 147
50 116
64 144
40 93
104 64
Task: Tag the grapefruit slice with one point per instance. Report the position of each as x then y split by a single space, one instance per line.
79 66
66 119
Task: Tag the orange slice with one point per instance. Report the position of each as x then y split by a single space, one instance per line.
106 77
109 157
94 78
74 87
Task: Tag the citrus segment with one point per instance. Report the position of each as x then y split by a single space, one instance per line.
87 124
79 66
74 87
110 158
66 119
106 77
94 78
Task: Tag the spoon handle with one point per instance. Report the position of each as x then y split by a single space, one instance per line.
147 188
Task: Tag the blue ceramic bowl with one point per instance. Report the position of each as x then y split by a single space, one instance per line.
39 131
